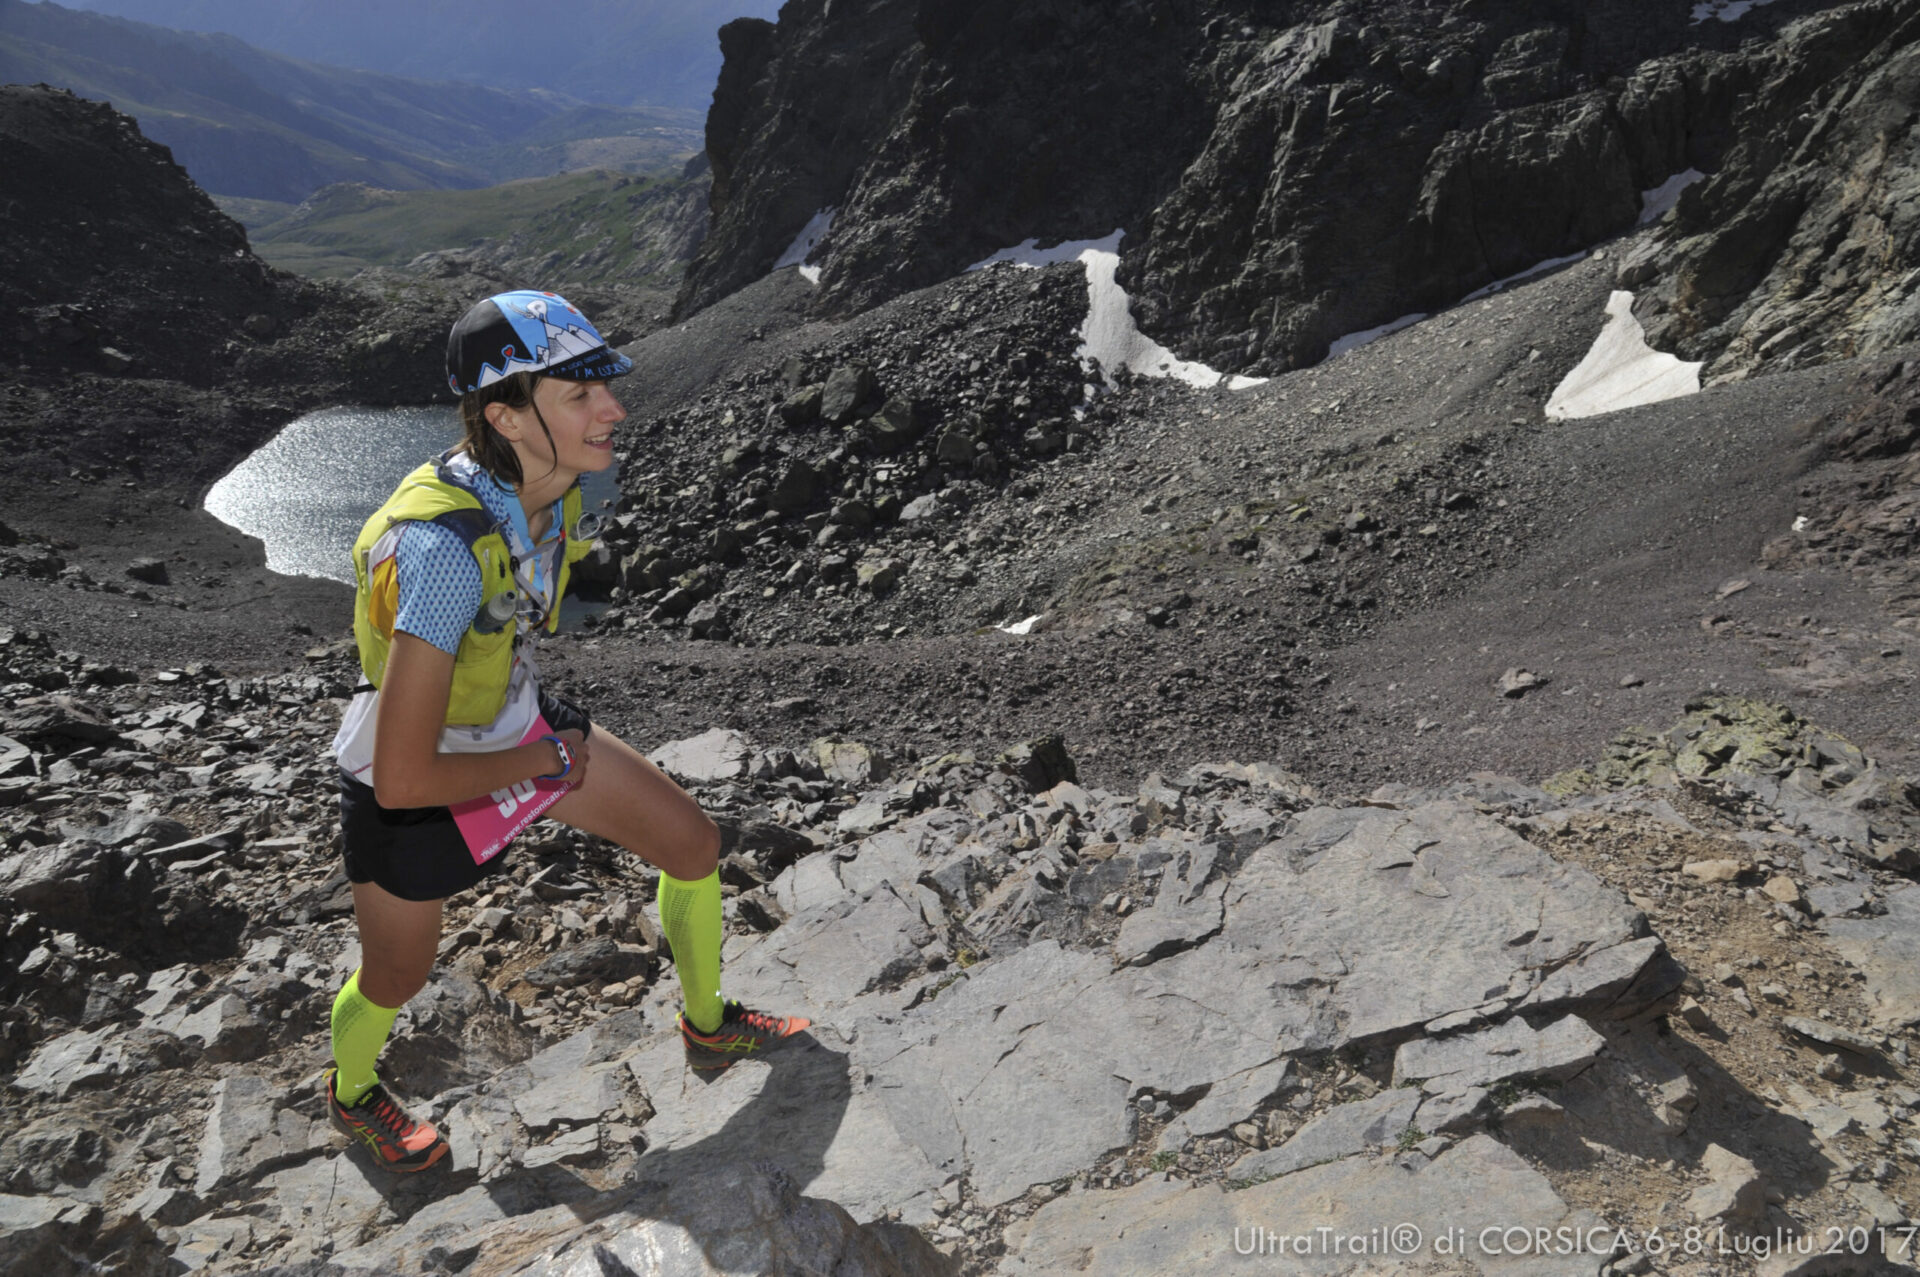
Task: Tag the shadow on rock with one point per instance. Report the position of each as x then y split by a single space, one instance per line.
718 1188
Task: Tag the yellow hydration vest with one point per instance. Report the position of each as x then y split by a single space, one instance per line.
483 665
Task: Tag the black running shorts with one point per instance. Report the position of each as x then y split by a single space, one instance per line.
417 853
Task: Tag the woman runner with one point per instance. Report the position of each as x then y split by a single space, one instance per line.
451 746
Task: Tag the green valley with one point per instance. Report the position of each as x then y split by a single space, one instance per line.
595 224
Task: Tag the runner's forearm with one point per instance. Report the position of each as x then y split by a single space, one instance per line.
441 779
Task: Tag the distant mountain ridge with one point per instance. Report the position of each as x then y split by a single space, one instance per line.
617 52
249 123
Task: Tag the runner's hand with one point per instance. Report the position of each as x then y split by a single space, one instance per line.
577 745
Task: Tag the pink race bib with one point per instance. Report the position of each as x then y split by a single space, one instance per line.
489 824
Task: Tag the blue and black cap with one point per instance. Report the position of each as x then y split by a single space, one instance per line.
528 331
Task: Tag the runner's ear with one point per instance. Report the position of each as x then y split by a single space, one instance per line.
504 420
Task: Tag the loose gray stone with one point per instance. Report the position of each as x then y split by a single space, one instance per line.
1453 1112
571 1097
1507 1051
74 1061
921 507
1531 1110
226 1028
1886 950
1341 1131
1594 982
1829 1121
248 1132
602 958
1355 896
1735 1192
864 818
58 880
1830 1035
1171 925
896 855
810 883
573 1146
264 778
49 1151
851 762
1836 899
1227 1102
340 1195
711 756
826 957
801 1110
802 406
1026 1065
1517 682
848 386
879 576
149 571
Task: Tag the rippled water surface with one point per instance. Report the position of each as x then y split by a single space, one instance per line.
309 490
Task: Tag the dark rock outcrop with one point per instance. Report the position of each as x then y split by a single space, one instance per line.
1801 249
1287 179
102 229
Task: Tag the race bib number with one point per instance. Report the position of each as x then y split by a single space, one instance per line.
489 823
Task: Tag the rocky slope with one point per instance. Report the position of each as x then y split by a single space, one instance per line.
1617 708
1675 997
1289 177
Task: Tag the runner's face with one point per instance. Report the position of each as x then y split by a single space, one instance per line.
580 415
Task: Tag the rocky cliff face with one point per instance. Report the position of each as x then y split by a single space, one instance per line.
1290 175
1801 248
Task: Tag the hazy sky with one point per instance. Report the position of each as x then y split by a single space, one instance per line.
626 52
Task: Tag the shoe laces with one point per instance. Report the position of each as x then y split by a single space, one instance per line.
390 1116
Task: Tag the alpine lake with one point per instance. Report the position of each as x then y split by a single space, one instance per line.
307 491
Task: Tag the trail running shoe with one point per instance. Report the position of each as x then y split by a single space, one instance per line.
741 1033
398 1142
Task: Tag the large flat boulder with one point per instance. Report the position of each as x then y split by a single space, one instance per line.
1403 917
1356 924
1388 1215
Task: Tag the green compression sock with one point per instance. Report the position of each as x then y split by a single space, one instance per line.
359 1031
690 916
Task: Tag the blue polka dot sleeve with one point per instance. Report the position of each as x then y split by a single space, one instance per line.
439 585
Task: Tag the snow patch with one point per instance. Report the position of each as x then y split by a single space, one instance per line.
1520 277
1725 10
1353 341
1027 253
1621 371
1021 627
804 243
1655 203
1109 336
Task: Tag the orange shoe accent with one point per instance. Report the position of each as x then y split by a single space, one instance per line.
397 1141
742 1032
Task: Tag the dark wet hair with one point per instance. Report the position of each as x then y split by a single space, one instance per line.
485 444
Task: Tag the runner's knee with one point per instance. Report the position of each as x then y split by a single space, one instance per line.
692 851
392 984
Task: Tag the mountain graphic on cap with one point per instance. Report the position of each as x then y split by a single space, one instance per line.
527 331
